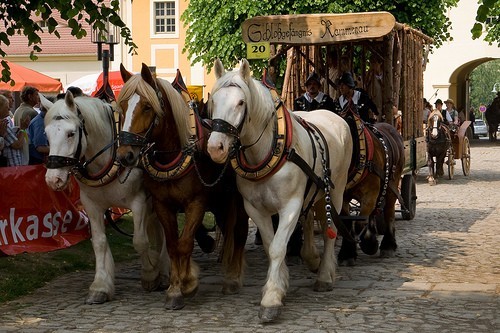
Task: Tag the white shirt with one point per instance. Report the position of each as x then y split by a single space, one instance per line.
318 98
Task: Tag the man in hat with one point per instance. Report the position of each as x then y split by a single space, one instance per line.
356 99
446 116
450 108
313 98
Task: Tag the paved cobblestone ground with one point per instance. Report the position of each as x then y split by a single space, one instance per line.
444 278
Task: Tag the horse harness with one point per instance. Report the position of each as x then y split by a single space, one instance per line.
182 163
281 152
109 172
362 164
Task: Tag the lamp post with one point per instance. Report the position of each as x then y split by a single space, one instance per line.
109 37
495 88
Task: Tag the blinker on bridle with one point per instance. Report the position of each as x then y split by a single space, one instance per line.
56 161
133 139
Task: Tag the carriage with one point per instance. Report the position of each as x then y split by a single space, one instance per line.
460 150
387 57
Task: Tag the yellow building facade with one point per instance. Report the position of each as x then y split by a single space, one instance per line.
160 36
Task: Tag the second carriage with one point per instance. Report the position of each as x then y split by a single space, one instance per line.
388 58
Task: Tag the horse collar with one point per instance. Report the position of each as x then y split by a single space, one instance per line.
277 154
182 163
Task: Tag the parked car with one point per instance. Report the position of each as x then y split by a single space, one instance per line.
480 128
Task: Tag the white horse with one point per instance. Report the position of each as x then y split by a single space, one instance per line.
82 137
269 139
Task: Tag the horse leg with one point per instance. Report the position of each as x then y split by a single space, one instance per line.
309 252
327 269
430 164
277 275
188 270
149 242
367 237
102 288
348 249
388 245
168 219
235 231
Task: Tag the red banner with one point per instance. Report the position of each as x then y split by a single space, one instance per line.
33 218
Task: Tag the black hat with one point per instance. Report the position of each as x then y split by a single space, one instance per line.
347 79
313 77
438 101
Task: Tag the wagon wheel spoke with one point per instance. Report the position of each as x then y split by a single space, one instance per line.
466 157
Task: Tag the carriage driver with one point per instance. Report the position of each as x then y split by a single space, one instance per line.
313 98
446 115
365 107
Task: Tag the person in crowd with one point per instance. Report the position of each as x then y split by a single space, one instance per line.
3 132
363 105
13 138
313 98
76 91
398 121
39 144
450 108
446 116
472 118
426 110
10 97
30 99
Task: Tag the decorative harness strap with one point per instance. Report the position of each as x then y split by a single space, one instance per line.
281 144
362 162
182 164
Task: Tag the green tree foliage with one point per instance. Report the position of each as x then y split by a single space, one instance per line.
488 20
21 17
482 80
213 27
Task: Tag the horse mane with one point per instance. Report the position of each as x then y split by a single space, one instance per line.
257 97
94 112
435 112
180 109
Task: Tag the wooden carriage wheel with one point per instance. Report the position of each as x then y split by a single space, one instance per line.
409 195
466 156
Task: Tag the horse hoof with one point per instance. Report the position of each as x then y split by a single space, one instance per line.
231 287
369 247
387 253
97 297
347 262
175 303
322 286
158 284
190 293
269 314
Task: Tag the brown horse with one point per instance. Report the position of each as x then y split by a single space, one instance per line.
164 133
438 143
375 173
492 116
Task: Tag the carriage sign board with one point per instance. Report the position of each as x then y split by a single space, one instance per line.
317 28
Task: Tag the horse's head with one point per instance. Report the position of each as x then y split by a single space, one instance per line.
139 107
65 129
434 123
227 107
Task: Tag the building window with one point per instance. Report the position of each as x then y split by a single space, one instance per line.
164 17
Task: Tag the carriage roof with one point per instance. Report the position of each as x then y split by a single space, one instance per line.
332 43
